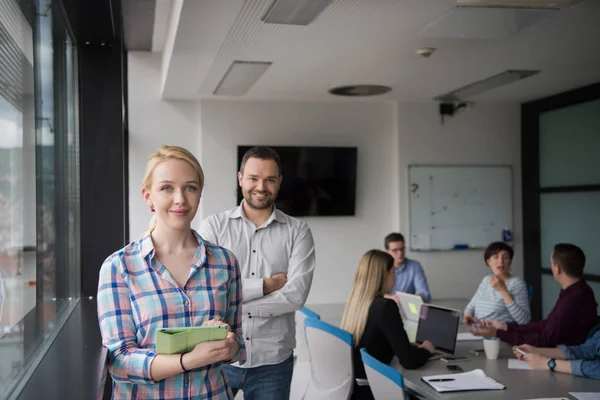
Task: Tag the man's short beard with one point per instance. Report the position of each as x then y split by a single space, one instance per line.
250 202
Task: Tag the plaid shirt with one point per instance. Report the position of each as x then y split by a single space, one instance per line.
137 295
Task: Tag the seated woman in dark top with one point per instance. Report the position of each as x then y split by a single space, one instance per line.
374 321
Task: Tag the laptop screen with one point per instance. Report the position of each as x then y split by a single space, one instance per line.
438 325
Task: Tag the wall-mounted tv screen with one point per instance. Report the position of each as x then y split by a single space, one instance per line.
316 180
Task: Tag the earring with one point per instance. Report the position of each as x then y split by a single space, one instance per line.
152 209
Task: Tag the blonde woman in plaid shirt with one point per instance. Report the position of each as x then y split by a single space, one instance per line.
170 278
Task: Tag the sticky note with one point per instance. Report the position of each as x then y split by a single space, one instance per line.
413 308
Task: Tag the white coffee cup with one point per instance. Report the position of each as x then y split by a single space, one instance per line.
492 348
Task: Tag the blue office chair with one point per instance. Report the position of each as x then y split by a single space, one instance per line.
529 291
301 375
386 382
309 313
330 351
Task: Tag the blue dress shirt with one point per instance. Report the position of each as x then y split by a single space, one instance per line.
585 358
410 278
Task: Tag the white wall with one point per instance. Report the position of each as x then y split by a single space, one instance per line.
152 123
389 137
340 241
483 134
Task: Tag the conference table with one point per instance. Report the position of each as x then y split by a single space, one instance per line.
520 384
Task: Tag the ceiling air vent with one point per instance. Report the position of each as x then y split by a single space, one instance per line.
360 90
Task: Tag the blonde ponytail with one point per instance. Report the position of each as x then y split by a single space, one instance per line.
369 281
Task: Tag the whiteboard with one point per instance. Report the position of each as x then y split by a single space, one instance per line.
457 207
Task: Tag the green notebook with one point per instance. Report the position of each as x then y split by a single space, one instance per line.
183 340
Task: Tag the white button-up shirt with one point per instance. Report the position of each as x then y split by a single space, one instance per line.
282 244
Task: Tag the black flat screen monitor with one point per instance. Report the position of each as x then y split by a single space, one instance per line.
317 181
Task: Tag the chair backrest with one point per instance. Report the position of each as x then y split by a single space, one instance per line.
330 352
529 291
386 382
301 375
301 351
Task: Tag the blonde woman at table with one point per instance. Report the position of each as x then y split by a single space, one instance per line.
373 319
500 296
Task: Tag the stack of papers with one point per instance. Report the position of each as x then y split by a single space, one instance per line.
472 380
585 395
549 398
467 336
513 363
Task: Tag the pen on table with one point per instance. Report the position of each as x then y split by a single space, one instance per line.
441 380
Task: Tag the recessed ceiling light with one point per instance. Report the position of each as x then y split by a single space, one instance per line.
474 22
360 90
294 12
518 3
240 77
485 85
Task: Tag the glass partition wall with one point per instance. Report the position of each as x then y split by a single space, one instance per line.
561 187
569 188
39 183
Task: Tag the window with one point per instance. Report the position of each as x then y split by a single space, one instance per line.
39 183
560 169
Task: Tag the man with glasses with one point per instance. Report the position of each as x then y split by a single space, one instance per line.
410 277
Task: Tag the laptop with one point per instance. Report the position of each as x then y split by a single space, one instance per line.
410 309
439 325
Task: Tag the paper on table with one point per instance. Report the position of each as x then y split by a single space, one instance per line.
549 398
585 395
472 380
467 336
513 363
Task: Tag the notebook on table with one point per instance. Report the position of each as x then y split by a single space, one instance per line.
410 308
182 340
472 380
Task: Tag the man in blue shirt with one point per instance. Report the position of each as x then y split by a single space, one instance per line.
410 277
582 360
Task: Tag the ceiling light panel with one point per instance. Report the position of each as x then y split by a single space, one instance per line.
518 3
240 77
485 85
483 22
294 12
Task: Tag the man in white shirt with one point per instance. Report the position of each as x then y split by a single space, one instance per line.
276 253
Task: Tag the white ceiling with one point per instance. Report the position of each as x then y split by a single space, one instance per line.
374 42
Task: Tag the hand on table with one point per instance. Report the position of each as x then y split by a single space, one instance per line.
427 345
536 361
527 348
